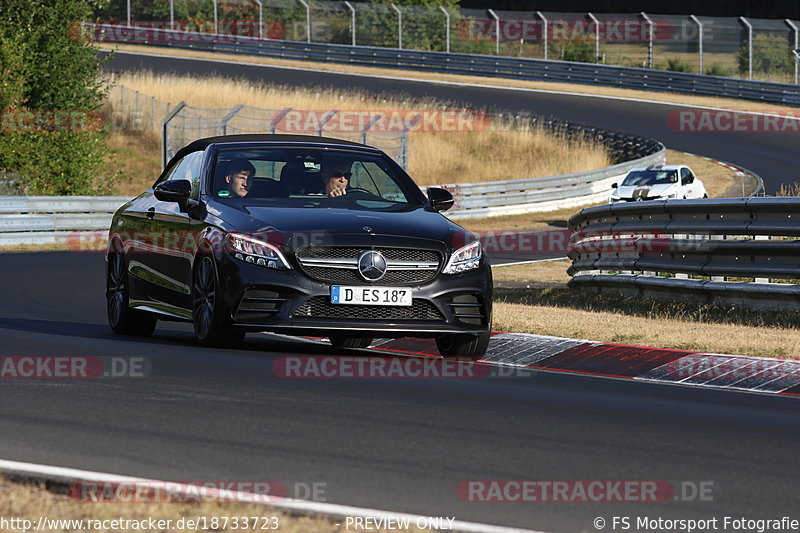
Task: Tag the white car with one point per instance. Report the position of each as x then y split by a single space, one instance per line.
658 182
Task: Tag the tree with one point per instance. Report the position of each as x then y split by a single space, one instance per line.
50 92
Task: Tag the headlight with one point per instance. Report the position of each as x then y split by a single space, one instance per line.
250 250
613 199
465 258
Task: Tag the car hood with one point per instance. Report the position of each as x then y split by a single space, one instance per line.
296 226
646 191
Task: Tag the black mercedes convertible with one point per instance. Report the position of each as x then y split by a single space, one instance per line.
296 235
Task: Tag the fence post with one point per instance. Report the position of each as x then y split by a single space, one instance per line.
260 19
172 14
399 26
794 49
165 148
496 31
216 18
352 21
129 13
699 39
228 117
596 36
328 116
308 20
544 31
650 27
447 28
749 47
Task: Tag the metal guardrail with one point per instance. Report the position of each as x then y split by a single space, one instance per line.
54 219
456 63
739 251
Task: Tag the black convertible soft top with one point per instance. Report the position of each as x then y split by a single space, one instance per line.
202 144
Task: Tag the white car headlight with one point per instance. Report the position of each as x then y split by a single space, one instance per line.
465 258
257 252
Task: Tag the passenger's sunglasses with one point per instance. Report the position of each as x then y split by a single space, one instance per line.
337 174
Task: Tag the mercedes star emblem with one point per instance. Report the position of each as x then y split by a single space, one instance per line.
372 265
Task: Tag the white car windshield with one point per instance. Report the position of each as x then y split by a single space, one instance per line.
650 177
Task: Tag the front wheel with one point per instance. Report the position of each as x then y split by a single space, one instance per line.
212 326
122 319
454 345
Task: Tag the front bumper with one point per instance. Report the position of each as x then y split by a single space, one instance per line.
287 301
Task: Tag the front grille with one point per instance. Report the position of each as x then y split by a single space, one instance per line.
401 276
339 252
320 307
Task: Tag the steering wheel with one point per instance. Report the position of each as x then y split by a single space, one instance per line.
359 189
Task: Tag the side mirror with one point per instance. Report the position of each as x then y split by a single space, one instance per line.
173 191
614 185
441 199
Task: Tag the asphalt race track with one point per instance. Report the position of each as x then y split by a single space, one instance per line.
771 155
396 444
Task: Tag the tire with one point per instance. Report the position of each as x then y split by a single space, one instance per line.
344 341
454 345
705 196
122 319
212 323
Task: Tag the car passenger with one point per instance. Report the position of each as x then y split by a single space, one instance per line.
335 177
239 177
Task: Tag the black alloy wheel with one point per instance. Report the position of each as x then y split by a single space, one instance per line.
122 319
212 325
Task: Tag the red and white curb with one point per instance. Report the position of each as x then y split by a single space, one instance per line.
675 367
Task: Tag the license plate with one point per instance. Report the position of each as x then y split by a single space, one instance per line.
370 295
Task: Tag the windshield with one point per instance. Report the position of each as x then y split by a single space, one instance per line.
309 177
650 177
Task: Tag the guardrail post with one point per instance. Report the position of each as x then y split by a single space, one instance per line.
399 26
596 36
795 48
352 21
165 135
496 31
699 39
544 31
749 47
308 20
650 27
446 29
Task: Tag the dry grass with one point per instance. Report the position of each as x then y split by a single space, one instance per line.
541 272
137 158
708 101
30 502
661 332
434 157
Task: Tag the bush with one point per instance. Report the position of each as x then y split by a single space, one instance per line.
678 64
57 162
771 53
718 69
48 68
578 50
